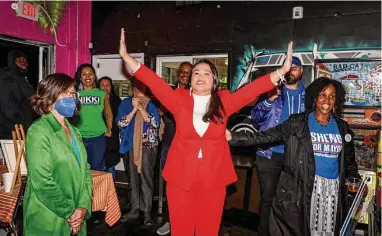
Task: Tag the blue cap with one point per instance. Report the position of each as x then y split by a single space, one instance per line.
296 61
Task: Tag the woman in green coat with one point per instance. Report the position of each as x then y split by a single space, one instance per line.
59 186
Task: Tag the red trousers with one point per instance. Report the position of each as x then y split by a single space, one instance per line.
195 212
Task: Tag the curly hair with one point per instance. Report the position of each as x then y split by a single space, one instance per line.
320 84
77 76
48 90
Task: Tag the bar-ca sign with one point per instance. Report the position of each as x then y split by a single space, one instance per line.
28 10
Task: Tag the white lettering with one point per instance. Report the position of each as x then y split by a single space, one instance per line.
316 147
313 136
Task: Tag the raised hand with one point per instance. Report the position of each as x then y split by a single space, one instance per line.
277 75
122 45
288 60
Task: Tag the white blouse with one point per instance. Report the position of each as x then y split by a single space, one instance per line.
200 108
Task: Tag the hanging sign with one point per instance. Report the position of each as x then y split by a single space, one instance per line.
28 10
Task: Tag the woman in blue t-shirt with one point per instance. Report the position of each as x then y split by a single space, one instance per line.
318 157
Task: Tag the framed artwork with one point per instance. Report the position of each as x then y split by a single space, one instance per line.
10 157
361 79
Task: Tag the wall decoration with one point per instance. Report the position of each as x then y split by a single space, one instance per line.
50 14
245 67
361 79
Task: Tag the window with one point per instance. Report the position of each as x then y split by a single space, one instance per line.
167 67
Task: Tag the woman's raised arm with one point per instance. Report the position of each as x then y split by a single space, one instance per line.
251 91
158 86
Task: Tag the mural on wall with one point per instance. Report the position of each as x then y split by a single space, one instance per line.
50 14
245 67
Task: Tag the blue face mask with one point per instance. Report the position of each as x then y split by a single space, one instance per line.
66 106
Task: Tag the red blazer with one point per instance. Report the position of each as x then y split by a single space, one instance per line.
183 168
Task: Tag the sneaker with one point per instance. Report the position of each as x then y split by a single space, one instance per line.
165 229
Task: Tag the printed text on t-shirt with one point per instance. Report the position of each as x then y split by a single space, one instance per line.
90 100
326 145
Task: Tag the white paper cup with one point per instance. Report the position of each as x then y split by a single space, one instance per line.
7 180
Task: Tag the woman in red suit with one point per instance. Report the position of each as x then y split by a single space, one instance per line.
199 164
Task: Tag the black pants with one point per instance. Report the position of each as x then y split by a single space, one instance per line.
269 173
165 211
142 185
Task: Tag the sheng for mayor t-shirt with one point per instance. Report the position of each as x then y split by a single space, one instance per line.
91 122
327 145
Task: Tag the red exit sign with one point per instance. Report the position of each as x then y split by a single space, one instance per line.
28 10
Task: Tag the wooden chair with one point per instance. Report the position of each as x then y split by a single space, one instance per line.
18 136
13 227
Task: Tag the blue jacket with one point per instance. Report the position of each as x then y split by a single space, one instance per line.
268 114
126 132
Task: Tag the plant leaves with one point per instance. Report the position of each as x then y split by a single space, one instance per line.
55 11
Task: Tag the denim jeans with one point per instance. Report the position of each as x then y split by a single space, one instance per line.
95 148
112 171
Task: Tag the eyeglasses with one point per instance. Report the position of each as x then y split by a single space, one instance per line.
71 94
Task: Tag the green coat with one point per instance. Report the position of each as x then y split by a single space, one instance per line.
56 183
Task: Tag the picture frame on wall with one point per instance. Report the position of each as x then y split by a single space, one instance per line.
361 79
10 157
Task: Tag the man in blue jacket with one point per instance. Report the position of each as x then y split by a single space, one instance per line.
280 104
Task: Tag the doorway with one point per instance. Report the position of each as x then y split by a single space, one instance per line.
166 66
40 57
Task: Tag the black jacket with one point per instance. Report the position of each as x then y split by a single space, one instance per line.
291 206
112 156
15 107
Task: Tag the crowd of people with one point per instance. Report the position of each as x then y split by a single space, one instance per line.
83 125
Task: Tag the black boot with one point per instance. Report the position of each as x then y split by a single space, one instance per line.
133 214
147 218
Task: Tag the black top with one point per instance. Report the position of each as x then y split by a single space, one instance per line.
169 126
15 107
112 156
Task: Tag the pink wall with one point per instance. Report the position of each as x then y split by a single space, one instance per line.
66 33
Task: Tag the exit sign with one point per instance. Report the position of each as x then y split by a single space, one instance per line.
28 10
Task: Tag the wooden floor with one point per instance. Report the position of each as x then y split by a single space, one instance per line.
136 228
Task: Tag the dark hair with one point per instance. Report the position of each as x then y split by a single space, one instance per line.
215 109
77 76
320 84
185 63
112 91
48 90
